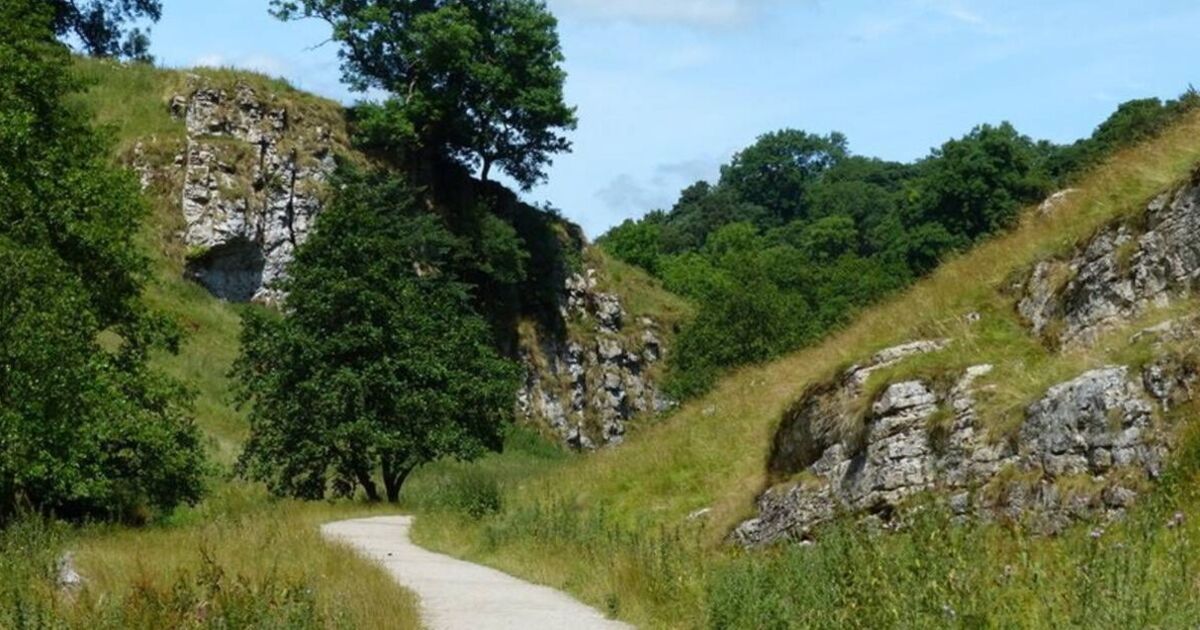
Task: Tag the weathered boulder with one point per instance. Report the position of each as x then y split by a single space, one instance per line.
1120 273
1053 202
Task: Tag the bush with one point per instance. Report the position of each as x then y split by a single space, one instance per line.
88 428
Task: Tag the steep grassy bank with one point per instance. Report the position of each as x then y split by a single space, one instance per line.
615 530
239 551
132 101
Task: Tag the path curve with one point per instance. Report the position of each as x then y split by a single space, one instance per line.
458 595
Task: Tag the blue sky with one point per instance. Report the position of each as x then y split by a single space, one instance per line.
667 90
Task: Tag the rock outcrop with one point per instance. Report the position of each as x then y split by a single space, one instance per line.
1119 273
253 180
1086 448
250 174
585 387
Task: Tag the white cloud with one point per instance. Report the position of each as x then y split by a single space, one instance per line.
959 12
628 195
705 13
687 172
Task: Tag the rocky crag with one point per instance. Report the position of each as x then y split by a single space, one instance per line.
253 176
1122 272
249 176
587 386
1086 449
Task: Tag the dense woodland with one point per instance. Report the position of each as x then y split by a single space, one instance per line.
799 234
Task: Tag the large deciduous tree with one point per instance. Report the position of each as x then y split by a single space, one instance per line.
479 81
100 26
87 428
976 185
378 363
777 171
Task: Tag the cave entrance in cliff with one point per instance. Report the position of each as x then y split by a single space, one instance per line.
231 271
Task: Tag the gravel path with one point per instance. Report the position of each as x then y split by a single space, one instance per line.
458 595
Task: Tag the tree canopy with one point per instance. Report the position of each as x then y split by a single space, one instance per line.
776 171
87 429
476 81
799 233
101 26
379 363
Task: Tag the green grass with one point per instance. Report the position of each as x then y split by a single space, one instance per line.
642 295
132 101
240 555
240 560
613 527
592 525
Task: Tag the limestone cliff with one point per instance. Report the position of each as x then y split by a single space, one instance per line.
586 386
1086 448
248 174
253 176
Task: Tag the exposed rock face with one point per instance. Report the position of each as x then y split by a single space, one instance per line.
586 387
1086 448
253 177
1120 273
1097 431
817 421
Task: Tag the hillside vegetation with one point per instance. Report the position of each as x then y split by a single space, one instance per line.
614 528
143 410
218 546
799 234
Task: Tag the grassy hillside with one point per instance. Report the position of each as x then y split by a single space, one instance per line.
240 549
614 528
240 553
133 102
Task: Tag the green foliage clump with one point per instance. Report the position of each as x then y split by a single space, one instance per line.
479 82
379 362
87 428
975 186
1134 121
799 234
99 25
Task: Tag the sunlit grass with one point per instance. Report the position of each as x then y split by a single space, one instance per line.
254 539
712 452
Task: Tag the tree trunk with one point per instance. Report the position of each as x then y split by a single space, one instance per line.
487 170
393 479
368 484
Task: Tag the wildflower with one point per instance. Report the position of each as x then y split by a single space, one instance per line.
1176 521
1096 533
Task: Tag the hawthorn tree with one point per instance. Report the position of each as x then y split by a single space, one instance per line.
87 429
378 363
477 81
